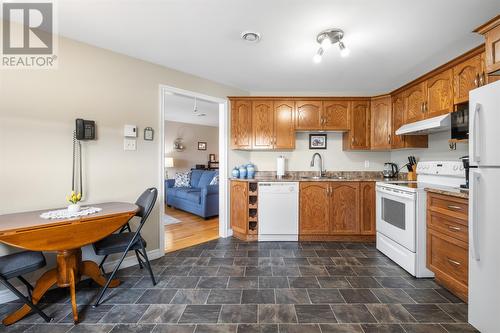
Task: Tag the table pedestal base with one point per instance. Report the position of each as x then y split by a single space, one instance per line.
70 268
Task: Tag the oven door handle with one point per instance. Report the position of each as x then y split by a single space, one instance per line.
396 193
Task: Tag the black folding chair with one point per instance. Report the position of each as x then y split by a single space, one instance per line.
17 264
126 240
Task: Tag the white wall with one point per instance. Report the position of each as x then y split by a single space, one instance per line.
334 158
191 135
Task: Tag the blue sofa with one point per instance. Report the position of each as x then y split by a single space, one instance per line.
200 198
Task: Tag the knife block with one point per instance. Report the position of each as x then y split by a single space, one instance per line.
412 175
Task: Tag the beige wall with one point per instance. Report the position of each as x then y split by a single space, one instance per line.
37 112
191 135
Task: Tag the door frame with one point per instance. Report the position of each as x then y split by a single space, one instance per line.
164 90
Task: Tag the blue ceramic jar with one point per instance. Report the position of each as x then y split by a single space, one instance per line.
250 171
235 173
243 172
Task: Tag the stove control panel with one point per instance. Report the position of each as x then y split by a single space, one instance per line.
442 168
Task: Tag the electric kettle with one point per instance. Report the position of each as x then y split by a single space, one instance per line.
390 170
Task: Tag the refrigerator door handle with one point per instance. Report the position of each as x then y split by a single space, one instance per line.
473 218
475 135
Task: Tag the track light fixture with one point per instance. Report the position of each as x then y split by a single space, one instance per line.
327 38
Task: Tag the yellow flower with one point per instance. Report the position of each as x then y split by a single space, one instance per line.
79 196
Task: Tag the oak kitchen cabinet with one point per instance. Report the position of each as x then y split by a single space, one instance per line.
241 124
358 137
381 125
491 32
415 97
467 76
439 94
262 124
284 126
367 208
239 206
314 208
308 115
326 115
344 208
399 105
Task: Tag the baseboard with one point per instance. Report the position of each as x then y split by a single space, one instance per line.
131 260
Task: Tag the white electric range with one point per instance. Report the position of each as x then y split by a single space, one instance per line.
401 213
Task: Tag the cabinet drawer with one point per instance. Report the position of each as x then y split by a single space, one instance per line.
447 225
448 205
447 256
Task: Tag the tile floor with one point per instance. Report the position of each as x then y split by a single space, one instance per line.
231 286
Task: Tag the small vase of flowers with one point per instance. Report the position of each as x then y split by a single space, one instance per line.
74 198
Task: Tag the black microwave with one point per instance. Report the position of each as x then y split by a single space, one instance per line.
460 122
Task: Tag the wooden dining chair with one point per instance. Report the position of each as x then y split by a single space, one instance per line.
126 240
16 265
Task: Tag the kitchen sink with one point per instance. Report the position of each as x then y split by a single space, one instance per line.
323 177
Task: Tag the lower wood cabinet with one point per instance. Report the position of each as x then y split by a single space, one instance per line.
447 242
337 211
239 207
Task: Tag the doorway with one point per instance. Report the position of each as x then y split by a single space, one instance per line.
193 160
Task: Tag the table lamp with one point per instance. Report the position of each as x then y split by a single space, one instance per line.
169 163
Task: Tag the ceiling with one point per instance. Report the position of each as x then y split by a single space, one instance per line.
180 108
391 41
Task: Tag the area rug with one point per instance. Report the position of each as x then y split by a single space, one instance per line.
167 219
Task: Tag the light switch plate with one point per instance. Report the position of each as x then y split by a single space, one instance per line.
129 144
367 164
130 131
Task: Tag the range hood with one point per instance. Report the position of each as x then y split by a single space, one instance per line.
426 126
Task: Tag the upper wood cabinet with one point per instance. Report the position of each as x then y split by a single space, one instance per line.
439 94
415 97
239 206
308 115
241 124
314 214
284 127
491 32
467 76
398 119
335 115
367 208
344 208
262 124
381 128
358 137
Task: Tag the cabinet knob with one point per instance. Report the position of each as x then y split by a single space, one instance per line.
389 138
482 79
476 80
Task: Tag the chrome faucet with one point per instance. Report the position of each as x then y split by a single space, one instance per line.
321 173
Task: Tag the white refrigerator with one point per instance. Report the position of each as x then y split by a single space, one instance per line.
484 208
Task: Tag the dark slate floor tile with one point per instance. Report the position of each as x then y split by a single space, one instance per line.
283 253
392 296
91 328
325 296
212 282
368 271
216 328
273 282
157 296
460 328
88 314
285 271
258 328
49 328
213 253
315 314
341 328
300 253
258 296
421 283
390 313
163 313
124 296
313 270
220 261
133 328
17 328
363 282
359 296
242 261
259 253
176 270
292 296
277 313
303 282
271 261
394 282
183 282
296 261
231 271
299 328
352 313
130 313
457 311
333 282
449 296
426 296
423 328
320 261
258 271
333 245
245 313
394 271
340 271
327 253
200 314
145 282
224 296
204 271
382 328
164 328
428 313
243 282
191 296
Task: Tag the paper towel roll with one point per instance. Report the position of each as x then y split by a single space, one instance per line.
280 166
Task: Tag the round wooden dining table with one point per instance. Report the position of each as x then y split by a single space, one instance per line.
66 237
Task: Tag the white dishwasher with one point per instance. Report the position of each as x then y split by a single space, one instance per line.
278 211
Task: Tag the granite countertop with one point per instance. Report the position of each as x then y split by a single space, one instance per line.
451 191
304 176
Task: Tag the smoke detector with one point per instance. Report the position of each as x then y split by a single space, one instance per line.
250 36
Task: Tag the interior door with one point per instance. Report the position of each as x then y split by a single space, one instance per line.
262 124
314 208
284 127
439 94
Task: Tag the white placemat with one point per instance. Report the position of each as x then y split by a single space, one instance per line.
65 214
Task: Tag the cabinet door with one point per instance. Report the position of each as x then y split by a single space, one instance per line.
239 206
308 115
367 208
358 137
381 122
492 45
398 114
344 208
439 94
415 97
335 115
241 124
262 124
284 127
466 78
314 208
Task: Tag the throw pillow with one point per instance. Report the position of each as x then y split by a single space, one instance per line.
182 179
215 180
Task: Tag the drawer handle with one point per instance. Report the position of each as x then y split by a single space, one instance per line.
454 207
454 262
454 228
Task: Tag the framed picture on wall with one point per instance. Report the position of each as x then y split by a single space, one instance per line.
211 157
317 141
202 146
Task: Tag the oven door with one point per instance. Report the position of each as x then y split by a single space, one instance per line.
396 215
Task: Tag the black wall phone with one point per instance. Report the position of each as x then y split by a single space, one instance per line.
85 129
